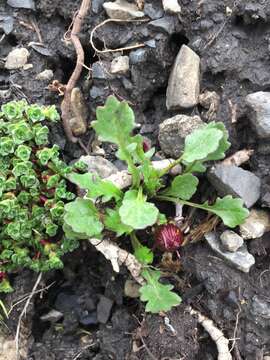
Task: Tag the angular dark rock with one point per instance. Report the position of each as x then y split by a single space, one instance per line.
104 308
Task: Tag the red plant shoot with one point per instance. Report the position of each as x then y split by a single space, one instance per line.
168 237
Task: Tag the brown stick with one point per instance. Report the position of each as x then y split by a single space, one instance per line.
66 103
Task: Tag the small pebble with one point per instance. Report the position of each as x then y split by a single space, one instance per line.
45 75
231 241
17 58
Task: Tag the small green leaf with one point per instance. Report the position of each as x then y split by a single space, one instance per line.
182 186
195 167
96 187
223 144
82 216
113 222
151 178
115 121
136 212
200 143
144 255
229 209
159 297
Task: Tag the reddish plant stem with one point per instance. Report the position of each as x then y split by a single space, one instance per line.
66 103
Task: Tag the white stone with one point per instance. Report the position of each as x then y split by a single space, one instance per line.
17 58
123 10
231 241
120 65
47 74
171 6
256 225
184 82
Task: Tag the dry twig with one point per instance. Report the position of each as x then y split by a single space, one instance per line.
66 103
238 158
17 337
114 50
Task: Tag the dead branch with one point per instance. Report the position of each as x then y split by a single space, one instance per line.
119 49
66 103
216 335
17 336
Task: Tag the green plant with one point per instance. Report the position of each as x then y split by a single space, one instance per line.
125 212
33 192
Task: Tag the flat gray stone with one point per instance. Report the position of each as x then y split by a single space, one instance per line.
123 10
241 259
45 75
184 82
23 4
165 25
233 180
173 131
104 308
17 58
260 307
259 104
52 316
231 241
99 165
256 225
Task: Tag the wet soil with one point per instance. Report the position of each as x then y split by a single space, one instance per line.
233 40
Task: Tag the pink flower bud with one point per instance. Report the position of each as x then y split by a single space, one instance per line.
168 237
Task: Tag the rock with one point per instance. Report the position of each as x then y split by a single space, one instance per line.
17 58
120 65
171 6
89 319
153 10
53 316
123 10
184 82
46 75
97 6
104 308
99 165
173 131
137 56
233 180
6 23
260 308
256 225
259 104
231 241
165 25
132 289
7 349
96 92
241 259
23 4
100 71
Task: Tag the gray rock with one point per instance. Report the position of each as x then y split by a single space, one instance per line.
137 56
120 65
171 6
23 4
241 259
17 58
184 82
256 225
6 23
97 6
104 308
98 71
46 75
153 11
173 131
96 92
259 104
99 165
260 307
231 241
151 43
232 180
53 316
165 25
123 10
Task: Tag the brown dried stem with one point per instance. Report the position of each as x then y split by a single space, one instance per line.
66 103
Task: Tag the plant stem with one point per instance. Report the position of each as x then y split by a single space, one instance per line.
134 241
133 169
180 201
171 166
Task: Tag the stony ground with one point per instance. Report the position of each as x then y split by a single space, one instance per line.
188 62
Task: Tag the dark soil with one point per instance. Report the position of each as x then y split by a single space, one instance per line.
235 60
